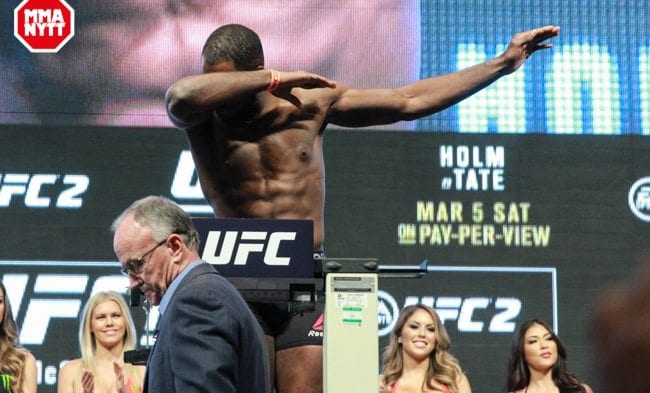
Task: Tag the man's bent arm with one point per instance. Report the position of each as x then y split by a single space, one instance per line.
358 108
191 100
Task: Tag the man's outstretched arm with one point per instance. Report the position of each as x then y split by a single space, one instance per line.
358 108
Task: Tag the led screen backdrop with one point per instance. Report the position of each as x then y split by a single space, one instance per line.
513 226
124 55
515 223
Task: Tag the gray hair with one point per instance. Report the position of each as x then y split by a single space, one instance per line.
164 217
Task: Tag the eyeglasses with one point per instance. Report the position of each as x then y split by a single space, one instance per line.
134 266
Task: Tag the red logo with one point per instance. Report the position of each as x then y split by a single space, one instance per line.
43 26
318 325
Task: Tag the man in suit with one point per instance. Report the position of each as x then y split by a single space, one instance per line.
208 340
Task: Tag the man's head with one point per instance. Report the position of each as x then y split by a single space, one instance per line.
154 240
234 44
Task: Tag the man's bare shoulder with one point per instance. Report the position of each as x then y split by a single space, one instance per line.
296 108
324 96
321 100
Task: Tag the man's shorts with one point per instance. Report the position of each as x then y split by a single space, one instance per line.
290 330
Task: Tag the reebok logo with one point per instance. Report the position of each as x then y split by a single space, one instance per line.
317 328
318 325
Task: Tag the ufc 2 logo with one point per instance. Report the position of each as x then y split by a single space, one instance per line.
242 244
39 190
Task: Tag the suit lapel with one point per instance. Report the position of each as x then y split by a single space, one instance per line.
202 268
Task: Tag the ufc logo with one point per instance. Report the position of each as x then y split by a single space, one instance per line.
50 297
39 190
186 188
242 244
471 314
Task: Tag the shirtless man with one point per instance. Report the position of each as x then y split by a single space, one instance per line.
256 136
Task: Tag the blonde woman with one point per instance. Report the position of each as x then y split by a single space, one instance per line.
17 365
417 358
106 331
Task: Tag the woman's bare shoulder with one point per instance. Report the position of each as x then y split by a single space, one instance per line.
71 366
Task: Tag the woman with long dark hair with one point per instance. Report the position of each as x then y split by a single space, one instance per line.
538 362
417 357
17 365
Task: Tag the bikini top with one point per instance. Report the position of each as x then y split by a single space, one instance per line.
132 387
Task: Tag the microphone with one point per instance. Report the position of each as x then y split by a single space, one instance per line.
135 294
138 356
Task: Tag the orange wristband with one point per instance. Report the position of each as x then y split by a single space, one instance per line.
275 81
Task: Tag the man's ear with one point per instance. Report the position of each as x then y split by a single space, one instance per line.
176 243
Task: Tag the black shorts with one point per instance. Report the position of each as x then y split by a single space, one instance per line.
290 330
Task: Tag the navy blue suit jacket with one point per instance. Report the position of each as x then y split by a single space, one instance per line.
208 340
